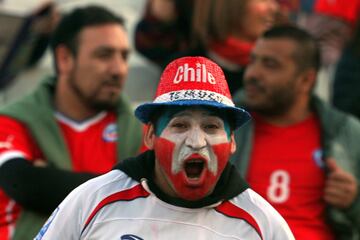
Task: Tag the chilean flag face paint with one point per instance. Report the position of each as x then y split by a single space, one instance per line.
192 151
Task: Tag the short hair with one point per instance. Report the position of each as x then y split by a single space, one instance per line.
307 54
216 20
67 31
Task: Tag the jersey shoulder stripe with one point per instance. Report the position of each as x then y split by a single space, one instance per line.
228 209
126 195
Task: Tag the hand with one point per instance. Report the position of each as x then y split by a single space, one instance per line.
40 163
164 10
340 186
47 22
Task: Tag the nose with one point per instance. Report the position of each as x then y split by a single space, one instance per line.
119 65
274 6
251 71
196 139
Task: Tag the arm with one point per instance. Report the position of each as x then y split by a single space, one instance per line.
38 188
344 149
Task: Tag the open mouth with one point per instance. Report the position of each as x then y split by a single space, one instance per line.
194 168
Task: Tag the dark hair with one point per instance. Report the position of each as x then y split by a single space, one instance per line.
68 29
307 54
216 20
354 42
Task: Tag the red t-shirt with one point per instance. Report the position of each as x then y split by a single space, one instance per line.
347 10
286 168
91 144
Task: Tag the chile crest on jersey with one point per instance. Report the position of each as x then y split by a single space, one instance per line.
110 133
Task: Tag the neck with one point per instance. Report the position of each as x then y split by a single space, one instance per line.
297 113
68 103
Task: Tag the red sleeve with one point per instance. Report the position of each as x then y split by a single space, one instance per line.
16 141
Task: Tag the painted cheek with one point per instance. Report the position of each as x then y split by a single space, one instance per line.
218 139
164 150
222 152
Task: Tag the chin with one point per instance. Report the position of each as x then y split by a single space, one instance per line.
105 105
193 195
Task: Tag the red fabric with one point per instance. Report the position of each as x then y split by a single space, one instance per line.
193 73
127 195
229 209
347 10
90 150
291 176
233 50
89 147
18 140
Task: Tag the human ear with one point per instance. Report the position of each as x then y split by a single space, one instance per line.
149 137
64 59
309 80
233 143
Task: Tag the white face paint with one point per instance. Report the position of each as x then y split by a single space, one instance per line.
192 150
194 132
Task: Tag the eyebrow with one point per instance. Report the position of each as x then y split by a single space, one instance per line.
105 48
187 114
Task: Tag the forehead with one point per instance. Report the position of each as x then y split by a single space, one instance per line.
193 115
111 34
190 112
196 111
277 48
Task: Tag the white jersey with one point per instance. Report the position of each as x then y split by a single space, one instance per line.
117 207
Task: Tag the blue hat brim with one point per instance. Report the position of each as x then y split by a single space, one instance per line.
144 112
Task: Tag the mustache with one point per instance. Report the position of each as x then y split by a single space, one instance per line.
202 153
113 81
255 83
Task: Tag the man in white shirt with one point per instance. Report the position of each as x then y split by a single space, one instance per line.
183 187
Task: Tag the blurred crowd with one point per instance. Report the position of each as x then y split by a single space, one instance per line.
274 55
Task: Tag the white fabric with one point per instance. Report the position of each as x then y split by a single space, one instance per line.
150 218
194 94
6 156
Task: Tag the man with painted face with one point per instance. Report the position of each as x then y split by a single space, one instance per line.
183 187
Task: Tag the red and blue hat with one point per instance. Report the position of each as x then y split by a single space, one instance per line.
192 81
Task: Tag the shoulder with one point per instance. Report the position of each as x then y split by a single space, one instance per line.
7 121
104 185
15 139
84 199
81 205
269 222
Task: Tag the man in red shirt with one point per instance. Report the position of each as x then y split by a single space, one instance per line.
73 127
298 153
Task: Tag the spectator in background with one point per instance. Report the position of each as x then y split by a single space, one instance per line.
300 154
346 89
73 127
332 23
29 42
225 32
184 187
164 29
